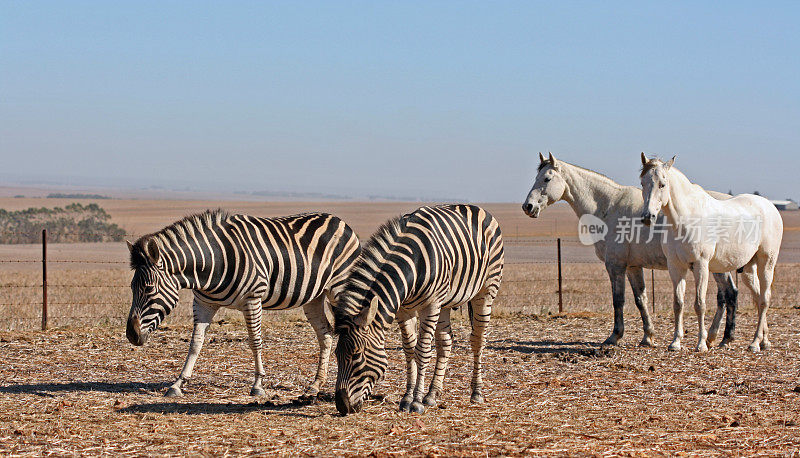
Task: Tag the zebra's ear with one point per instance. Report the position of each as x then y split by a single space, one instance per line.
366 316
130 246
152 251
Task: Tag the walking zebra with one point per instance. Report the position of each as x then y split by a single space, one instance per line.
423 263
246 263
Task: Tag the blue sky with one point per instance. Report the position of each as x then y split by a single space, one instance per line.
430 99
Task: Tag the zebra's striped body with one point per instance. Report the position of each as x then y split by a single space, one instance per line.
243 262
421 264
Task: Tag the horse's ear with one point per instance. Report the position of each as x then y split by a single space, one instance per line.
152 251
553 161
669 164
541 158
130 246
644 159
368 314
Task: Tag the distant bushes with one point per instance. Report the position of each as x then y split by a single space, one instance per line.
59 195
73 223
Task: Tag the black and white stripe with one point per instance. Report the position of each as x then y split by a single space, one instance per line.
422 264
246 263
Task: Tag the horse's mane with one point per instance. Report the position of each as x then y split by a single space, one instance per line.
590 171
175 232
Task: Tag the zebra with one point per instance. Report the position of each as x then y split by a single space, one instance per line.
246 263
423 264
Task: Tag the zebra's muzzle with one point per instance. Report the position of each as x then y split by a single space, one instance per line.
134 332
343 404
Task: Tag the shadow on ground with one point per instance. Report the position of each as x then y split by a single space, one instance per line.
47 389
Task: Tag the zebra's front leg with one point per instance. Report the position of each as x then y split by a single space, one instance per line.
252 316
408 330
203 314
480 314
424 352
444 343
315 312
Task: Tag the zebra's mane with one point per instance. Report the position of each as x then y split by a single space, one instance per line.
362 276
176 232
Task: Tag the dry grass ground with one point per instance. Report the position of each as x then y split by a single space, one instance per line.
81 388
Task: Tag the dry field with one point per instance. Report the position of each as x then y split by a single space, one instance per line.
81 388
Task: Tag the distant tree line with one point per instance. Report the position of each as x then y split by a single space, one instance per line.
73 223
59 195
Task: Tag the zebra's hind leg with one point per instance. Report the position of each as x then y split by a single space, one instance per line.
408 331
315 312
444 343
252 317
203 314
480 311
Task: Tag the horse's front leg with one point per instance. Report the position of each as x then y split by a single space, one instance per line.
315 313
203 314
678 276
252 316
700 271
617 276
428 318
408 330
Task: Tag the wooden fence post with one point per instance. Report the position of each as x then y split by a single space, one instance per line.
560 293
44 279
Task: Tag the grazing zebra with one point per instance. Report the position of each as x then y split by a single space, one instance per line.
246 263
424 263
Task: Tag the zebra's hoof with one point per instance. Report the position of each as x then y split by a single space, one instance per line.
311 392
257 391
417 407
612 340
429 400
476 398
173 392
647 342
405 406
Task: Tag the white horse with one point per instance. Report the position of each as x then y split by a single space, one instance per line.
590 193
708 235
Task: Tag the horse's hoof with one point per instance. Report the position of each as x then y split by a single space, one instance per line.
755 348
674 347
610 341
417 407
257 391
646 342
702 347
724 343
476 398
710 339
765 345
405 406
173 392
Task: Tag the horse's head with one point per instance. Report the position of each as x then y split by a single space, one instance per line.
549 187
655 187
155 292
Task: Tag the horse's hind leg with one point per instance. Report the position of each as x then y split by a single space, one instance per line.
726 302
617 276
636 279
766 270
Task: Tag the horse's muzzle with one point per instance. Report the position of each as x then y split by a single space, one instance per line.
648 219
530 210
